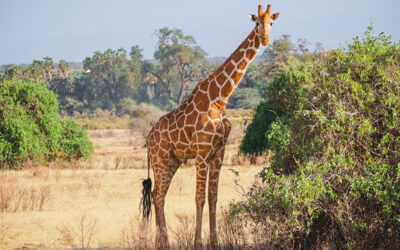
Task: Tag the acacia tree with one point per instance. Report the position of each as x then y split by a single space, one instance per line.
177 53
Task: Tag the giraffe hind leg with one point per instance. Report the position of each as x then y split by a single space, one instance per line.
163 174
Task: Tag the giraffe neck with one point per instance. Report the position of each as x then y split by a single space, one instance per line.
224 80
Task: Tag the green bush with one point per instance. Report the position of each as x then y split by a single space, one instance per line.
30 128
285 94
335 178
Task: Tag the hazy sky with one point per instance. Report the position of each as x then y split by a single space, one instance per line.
74 29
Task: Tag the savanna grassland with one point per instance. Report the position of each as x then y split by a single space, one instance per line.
95 203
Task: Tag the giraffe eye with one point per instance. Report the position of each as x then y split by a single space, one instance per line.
271 24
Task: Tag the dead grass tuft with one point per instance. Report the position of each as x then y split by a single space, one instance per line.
137 238
184 231
231 232
78 236
93 183
16 196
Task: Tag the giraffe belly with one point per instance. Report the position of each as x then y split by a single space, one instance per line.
182 152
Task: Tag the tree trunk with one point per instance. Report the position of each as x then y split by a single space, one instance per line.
150 92
181 92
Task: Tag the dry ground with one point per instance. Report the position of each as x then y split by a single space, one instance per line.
95 204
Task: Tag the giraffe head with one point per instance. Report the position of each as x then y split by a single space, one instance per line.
264 22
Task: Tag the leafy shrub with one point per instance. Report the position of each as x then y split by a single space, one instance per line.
74 141
285 94
335 178
144 116
30 128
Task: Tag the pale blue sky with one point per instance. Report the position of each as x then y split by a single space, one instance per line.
74 29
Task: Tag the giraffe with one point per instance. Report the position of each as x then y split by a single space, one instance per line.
198 129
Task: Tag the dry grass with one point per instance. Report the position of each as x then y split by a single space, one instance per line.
94 204
16 196
104 123
78 236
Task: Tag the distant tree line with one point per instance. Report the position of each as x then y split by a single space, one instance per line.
118 80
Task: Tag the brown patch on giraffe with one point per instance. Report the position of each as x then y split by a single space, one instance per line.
189 108
157 135
236 76
229 68
199 125
190 98
214 113
163 124
221 78
174 135
172 126
250 54
220 128
219 104
201 121
242 65
164 145
214 175
202 172
213 90
204 148
153 150
191 119
201 102
204 138
171 121
209 127
181 147
238 56
204 86
180 123
257 43
164 134
182 137
226 89
188 152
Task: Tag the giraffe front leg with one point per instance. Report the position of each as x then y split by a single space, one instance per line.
215 167
201 180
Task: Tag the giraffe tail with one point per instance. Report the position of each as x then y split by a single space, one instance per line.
145 202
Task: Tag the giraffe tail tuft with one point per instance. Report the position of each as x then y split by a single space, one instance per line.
145 202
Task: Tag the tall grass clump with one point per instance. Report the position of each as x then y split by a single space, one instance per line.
334 181
30 128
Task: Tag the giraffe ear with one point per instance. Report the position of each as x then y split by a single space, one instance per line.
275 16
253 17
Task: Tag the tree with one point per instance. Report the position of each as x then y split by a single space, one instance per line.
48 67
176 51
106 69
63 67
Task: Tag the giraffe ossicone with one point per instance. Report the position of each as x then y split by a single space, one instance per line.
198 129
